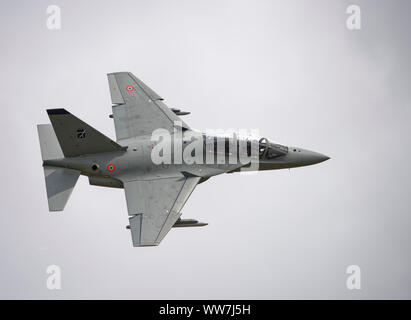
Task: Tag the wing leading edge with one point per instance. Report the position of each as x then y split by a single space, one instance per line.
137 109
154 206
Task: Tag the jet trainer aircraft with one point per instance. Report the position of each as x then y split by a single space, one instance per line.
155 191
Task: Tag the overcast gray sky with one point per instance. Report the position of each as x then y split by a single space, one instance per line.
288 68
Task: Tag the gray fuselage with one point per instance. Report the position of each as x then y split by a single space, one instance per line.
103 169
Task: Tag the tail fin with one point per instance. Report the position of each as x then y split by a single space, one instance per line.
77 137
59 181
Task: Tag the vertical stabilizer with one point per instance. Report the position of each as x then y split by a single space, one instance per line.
77 137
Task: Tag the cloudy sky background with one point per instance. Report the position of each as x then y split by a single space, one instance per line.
288 68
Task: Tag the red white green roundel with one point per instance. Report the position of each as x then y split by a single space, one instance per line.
111 167
130 88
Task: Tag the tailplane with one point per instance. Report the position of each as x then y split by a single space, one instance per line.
67 136
59 181
49 145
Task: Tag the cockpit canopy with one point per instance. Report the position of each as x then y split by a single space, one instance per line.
268 150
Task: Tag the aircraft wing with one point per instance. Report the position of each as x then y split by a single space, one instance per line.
154 206
137 109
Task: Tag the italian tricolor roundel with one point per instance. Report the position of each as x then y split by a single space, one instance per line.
129 88
111 167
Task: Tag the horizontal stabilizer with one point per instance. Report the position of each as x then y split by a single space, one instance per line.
59 184
49 145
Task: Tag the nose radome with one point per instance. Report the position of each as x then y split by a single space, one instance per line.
316 157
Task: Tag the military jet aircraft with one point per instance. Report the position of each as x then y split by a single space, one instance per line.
155 191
